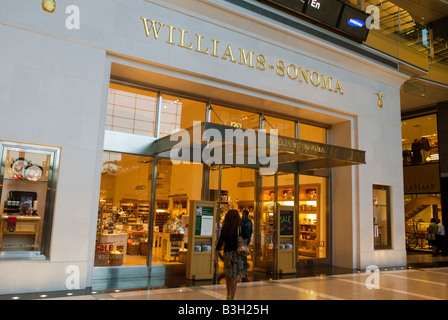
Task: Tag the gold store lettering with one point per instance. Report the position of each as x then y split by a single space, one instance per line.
246 57
296 145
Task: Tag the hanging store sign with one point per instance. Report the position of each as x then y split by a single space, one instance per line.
215 49
332 13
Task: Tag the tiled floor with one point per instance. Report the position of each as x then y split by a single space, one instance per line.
425 278
401 284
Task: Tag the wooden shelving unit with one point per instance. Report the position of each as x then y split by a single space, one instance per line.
309 215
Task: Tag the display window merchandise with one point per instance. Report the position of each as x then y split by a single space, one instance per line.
382 217
28 185
420 140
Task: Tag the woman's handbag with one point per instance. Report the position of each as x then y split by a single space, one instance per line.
242 249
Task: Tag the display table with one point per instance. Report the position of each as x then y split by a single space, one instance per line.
110 249
116 240
20 225
171 244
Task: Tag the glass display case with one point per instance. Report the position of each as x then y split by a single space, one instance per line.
381 217
28 176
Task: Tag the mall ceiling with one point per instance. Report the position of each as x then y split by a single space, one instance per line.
424 11
418 93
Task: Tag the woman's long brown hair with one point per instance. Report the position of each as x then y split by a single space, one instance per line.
232 221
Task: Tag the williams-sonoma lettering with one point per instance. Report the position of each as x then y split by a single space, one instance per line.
214 48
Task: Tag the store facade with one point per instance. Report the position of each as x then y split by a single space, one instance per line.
423 162
101 100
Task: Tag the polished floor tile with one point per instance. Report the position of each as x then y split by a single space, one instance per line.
406 284
425 278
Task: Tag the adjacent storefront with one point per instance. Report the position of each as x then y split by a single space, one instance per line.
124 160
422 186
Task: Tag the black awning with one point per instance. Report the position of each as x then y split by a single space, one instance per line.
219 144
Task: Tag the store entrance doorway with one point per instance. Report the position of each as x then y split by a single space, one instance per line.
234 188
145 197
289 213
291 221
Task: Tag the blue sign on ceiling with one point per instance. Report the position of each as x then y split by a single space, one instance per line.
356 23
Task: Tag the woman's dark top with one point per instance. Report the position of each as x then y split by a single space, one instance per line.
230 244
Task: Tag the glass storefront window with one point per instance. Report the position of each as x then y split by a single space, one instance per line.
283 127
124 209
28 186
381 217
313 240
131 110
310 231
313 133
237 186
419 210
234 118
264 224
237 189
123 214
420 140
179 113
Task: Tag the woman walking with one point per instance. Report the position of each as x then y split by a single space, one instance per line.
233 263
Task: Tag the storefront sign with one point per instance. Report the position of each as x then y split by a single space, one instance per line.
422 179
295 145
213 48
